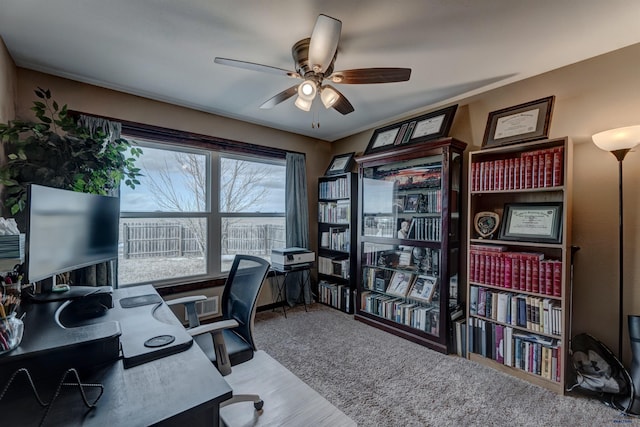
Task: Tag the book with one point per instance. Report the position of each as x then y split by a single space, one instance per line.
423 288
473 300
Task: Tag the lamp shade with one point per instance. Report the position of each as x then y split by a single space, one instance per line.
303 104
618 139
324 42
329 96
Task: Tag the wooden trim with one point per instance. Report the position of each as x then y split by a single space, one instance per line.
162 134
420 149
196 286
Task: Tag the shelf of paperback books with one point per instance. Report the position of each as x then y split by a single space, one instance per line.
336 231
518 256
409 232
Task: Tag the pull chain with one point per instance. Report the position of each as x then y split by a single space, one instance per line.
315 124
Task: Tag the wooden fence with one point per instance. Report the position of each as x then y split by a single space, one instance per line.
167 240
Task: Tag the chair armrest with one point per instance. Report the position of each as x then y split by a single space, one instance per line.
185 300
213 327
190 306
219 346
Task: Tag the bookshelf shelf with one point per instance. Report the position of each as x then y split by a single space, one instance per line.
527 376
516 243
336 234
484 285
519 291
409 232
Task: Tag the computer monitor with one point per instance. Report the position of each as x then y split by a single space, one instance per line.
67 230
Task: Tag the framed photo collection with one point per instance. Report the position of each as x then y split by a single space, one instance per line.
427 127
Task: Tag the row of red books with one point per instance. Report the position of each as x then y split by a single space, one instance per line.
532 169
522 271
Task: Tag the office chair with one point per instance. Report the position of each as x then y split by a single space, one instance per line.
229 342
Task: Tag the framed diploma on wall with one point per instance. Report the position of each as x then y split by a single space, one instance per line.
532 222
427 127
518 124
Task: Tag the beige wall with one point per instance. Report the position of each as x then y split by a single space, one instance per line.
7 85
593 95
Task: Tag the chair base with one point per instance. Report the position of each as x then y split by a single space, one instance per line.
257 402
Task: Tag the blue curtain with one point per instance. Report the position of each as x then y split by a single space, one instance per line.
297 218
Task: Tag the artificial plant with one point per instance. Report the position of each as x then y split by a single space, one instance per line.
59 152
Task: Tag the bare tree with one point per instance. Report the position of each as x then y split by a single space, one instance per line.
239 185
239 189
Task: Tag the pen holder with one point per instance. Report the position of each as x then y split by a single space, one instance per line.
11 329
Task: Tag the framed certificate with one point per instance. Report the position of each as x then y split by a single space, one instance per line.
427 127
340 164
532 222
518 124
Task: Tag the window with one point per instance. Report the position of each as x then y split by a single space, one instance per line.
194 210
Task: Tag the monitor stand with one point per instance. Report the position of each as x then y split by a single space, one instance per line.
74 292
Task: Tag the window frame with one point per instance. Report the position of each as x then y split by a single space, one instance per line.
215 148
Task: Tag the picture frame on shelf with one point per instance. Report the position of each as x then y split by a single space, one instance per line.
423 288
434 125
383 138
426 127
400 283
532 222
340 164
411 202
518 124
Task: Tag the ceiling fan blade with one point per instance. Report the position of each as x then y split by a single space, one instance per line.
281 97
255 67
324 42
371 75
342 105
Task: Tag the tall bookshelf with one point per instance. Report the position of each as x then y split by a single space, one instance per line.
337 201
409 229
518 286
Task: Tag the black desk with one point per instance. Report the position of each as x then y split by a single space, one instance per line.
280 284
178 389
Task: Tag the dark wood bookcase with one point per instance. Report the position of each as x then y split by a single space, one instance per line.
518 279
337 210
409 228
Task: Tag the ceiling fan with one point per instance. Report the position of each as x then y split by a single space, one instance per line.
314 58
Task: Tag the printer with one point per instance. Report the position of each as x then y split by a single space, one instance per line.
291 257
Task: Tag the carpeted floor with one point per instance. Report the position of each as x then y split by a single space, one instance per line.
378 379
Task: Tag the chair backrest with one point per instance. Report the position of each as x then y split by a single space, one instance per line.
241 291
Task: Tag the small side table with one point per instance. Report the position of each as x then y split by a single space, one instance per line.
280 284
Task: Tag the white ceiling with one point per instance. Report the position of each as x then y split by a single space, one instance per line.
164 49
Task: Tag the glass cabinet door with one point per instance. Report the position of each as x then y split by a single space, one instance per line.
402 226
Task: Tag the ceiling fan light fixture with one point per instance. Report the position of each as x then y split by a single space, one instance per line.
307 90
329 96
303 104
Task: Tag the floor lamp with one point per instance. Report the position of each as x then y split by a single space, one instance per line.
619 142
